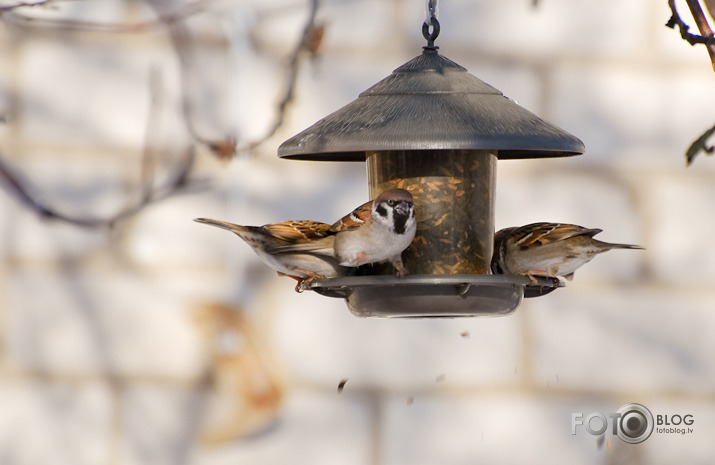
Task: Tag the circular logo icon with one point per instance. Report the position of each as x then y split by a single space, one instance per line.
635 424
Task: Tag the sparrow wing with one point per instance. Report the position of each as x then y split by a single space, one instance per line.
317 246
537 234
301 236
298 231
354 219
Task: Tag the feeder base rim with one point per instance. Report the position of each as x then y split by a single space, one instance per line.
340 287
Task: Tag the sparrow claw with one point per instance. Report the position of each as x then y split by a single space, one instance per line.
298 285
399 267
532 275
304 283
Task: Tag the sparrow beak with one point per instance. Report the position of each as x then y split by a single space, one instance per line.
403 208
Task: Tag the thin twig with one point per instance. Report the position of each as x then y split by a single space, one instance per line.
703 26
178 15
24 192
310 42
182 42
15 187
14 6
683 28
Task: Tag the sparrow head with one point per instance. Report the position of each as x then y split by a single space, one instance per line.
501 236
395 208
499 254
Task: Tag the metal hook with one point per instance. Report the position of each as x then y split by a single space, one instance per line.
430 36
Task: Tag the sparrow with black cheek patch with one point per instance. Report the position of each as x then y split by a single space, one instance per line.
272 243
547 249
376 231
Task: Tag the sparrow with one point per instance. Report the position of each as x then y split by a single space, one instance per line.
376 231
547 249
272 243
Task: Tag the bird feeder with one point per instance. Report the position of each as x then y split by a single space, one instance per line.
437 131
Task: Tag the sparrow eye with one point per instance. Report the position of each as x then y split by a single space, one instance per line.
391 203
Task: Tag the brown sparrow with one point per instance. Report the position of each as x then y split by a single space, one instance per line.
547 249
272 243
376 231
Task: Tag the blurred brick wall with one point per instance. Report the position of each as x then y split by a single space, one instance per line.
121 347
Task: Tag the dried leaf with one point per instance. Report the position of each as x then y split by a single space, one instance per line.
313 37
700 144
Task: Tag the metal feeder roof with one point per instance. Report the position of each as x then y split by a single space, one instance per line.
430 103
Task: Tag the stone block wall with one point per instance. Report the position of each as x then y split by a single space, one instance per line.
161 341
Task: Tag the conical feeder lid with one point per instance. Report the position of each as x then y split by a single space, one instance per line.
430 103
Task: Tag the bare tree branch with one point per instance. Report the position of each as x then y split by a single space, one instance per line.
707 34
226 146
26 194
710 5
703 26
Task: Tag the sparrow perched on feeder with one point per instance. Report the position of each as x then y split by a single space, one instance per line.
266 241
547 249
376 231
305 250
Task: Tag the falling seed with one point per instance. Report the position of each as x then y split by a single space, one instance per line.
410 400
557 378
600 441
440 378
341 385
465 334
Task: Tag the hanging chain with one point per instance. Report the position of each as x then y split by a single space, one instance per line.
431 22
431 12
